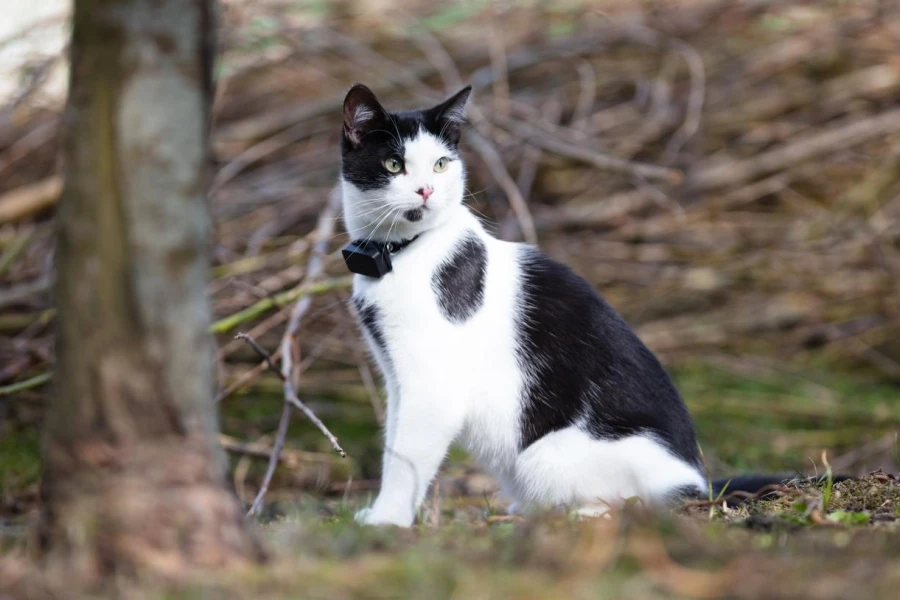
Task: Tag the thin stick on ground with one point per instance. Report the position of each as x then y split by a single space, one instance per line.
245 378
291 395
261 351
290 373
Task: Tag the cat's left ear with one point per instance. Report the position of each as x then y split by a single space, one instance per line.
451 114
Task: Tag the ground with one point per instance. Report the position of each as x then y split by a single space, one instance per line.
814 540
767 287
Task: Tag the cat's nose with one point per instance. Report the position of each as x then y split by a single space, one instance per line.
425 192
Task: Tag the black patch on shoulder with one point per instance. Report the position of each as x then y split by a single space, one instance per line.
370 320
583 363
459 282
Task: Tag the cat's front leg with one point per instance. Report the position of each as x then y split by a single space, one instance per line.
425 425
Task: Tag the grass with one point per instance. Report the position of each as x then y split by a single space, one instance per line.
760 423
317 551
827 540
781 422
20 464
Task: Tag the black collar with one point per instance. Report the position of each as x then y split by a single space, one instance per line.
372 258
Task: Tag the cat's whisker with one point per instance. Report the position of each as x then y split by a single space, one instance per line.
376 219
377 225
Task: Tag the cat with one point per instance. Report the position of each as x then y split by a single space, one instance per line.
493 344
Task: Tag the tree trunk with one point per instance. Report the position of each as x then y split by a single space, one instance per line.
133 474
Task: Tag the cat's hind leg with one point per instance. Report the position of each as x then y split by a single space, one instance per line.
571 467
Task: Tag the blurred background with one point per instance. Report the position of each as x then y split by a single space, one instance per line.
727 174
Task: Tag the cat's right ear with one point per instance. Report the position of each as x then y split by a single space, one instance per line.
362 114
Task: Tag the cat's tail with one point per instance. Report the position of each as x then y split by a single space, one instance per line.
735 490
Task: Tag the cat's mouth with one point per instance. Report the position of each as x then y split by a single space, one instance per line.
414 215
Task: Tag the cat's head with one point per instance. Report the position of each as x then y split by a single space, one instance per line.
401 172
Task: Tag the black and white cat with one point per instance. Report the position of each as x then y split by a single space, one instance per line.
491 343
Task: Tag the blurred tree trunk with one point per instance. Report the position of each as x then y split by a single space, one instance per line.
133 475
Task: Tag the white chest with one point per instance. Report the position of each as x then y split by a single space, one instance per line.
471 362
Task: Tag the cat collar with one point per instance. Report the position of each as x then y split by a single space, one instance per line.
372 258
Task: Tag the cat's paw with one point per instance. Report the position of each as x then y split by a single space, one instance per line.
362 516
367 516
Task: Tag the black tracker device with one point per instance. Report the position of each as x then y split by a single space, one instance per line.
372 258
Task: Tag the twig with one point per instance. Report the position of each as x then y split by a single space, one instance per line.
494 163
29 199
290 394
288 373
261 351
23 291
480 139
586 155
297 403
834 139
33 140
280 439
258 330
696 98
531 159
17 247
303 291
291 458
27 384
498 61
244 379
587 81
775 488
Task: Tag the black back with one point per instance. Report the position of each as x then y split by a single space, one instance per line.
585 363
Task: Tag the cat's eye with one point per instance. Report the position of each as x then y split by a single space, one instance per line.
441 165
393 165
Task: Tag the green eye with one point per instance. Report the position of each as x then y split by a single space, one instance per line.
393 165
441 165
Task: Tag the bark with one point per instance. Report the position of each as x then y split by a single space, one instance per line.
134 477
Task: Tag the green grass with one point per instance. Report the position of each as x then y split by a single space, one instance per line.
20 463
841 533
759 423
781 422
317 551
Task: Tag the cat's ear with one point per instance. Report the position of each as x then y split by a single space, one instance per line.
451 113
362 114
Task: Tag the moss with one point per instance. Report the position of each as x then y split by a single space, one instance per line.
20 462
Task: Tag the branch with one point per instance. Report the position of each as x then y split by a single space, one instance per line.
480 139
280 438
302 291
261 351
290 394
604 162
291 458
27 384
768 490
29 199
834 139
288 372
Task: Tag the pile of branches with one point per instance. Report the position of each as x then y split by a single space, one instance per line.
726 173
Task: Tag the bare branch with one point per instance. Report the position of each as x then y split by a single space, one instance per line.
288 372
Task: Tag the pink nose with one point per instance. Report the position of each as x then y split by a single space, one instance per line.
425 192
